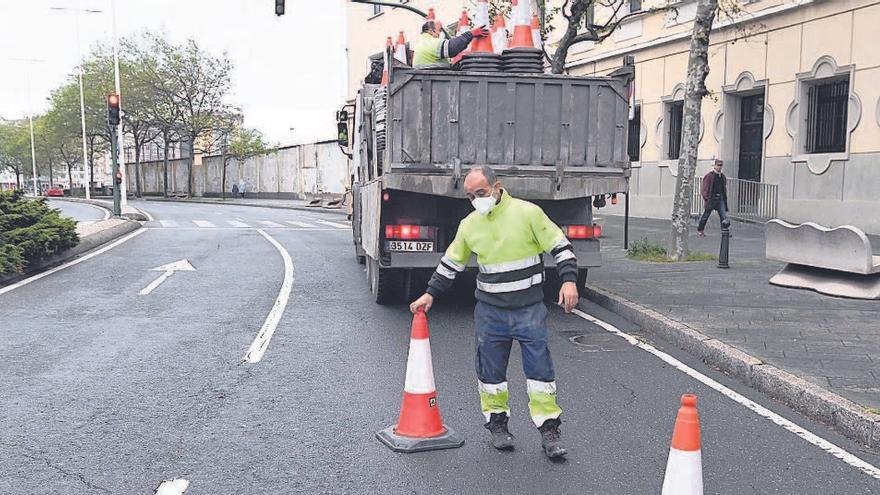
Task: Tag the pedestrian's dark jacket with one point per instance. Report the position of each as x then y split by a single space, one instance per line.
714 188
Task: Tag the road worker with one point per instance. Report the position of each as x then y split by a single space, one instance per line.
509 237
431 49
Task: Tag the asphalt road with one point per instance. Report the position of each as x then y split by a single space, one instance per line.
110 391
81 212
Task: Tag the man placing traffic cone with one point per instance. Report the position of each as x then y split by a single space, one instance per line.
431 49
684 468
510 300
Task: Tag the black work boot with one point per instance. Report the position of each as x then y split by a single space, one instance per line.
551 439
502 439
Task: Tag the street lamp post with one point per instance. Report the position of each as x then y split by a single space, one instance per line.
82 104
27 71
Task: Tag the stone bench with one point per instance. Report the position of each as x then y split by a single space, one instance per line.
836 261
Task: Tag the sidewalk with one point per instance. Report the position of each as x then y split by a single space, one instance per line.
830 342
285 204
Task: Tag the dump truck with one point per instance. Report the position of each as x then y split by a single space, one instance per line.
556 140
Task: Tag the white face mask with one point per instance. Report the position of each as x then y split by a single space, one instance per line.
484 205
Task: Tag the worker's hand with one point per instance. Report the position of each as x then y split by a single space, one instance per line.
426 301
568 296
480 32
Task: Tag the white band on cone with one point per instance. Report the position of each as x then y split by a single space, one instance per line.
684 473
419 370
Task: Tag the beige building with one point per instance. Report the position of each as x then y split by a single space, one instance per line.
794 109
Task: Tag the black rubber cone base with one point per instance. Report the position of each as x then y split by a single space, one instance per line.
399 443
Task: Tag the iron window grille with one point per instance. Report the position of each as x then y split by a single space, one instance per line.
826 116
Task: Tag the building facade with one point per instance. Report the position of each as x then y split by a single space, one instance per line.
794 105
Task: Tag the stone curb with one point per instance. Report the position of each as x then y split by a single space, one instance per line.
846 416
86 243
135 214
338 211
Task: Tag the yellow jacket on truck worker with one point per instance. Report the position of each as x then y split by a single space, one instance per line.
432 49
509 237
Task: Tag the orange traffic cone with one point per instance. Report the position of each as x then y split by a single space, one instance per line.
388 46
464 25
419 427
684 468
536 31
400 48
481 18
522 29
499 34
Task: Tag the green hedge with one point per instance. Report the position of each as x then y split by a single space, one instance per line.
31 230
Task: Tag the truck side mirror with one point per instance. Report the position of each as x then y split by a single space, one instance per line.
342 134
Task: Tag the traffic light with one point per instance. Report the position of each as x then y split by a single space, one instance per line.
113 110
279 7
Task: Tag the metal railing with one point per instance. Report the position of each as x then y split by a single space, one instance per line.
747 200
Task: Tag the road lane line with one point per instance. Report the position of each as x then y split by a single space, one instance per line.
334 224
299 224
168 223
236 223
147 214
177 486
269 223
203 223
758 409
261 342
91 255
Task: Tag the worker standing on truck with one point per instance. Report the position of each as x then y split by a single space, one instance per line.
509 235
431 49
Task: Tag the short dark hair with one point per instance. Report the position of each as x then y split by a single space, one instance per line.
428 27
718 161
487 172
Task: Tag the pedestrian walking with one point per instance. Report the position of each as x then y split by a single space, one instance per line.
242 186
714 193
508 236
234 190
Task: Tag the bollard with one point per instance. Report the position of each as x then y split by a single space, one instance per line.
725 245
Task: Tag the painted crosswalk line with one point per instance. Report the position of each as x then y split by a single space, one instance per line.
300 224
236 223
168 223
203 223
334 224
269 223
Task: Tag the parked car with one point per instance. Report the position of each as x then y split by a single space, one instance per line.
54 191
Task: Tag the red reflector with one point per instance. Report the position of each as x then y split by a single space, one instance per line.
407 232
386 197
583 231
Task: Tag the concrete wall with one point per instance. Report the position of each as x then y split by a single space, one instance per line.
291 172
785 45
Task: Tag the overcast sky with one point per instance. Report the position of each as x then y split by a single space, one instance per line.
288 70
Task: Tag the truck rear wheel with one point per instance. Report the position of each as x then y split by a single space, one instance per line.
385 283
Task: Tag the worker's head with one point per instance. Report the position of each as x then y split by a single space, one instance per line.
718 165
433 28
483 188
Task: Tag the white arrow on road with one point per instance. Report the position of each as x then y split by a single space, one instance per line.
169 269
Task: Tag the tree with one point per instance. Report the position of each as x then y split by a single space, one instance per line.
63 127
239 145
15 151
198 85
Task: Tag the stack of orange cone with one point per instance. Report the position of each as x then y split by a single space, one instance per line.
684 468
420 427
400 48
499 34
484 44
388 48
536 31
522 28
464 25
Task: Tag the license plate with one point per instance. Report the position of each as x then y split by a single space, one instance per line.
423 247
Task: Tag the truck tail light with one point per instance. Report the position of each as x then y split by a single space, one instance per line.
583 231
409 232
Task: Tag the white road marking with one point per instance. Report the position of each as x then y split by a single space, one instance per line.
760 410
104 211
268 223
168 223
236 223
147 214
172 487
169 269
299 224
203 223
334 224
91 255
261 342
87 222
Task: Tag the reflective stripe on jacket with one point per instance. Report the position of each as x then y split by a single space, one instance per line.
509 243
